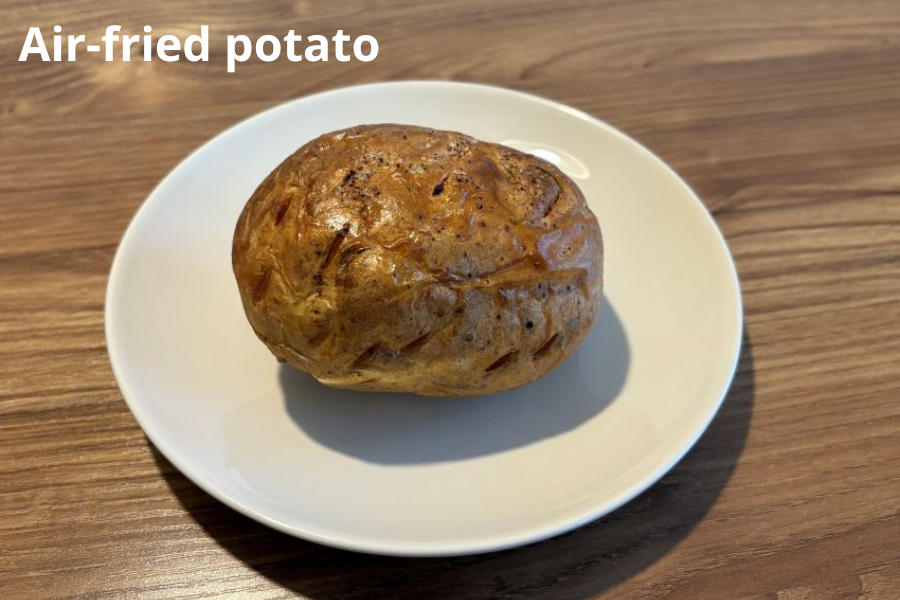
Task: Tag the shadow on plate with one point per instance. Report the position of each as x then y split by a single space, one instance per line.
406 429
580 564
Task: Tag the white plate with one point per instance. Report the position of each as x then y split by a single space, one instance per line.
408 475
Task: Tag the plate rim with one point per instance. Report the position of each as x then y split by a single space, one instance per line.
377 546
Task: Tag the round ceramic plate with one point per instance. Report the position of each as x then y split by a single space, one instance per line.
407 475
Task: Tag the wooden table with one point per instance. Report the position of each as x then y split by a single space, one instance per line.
784 116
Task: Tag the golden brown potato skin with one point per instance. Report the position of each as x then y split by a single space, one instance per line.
398 258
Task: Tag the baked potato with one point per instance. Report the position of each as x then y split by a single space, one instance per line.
399 258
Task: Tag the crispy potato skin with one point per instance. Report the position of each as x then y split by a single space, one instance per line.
398 258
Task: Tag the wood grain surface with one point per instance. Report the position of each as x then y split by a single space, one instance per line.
784 116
